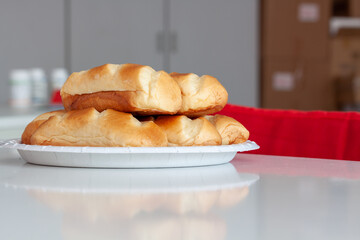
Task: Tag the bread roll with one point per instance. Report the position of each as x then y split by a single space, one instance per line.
33 126
231 131
182 131
127 88
88 127
200 95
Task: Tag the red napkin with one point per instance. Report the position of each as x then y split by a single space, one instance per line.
315 134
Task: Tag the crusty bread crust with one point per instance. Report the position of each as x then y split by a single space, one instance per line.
183 131
127 87
231 131
200 95
120 101
34 125
88 127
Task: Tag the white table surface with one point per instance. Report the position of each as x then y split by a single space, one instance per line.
14 120
271 198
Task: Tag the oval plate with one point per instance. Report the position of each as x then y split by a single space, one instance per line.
128 157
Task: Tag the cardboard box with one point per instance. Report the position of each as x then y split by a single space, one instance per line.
348 91
295 28
340 8
297 84
345 8
345 53
354 8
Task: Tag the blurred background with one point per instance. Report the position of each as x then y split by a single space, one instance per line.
202 36
282 54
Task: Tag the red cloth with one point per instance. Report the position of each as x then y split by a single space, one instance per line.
315 134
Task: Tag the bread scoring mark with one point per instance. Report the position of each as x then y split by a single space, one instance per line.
191 129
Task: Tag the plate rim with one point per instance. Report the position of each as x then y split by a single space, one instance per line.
246 146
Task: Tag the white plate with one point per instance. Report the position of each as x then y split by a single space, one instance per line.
128 157
128 181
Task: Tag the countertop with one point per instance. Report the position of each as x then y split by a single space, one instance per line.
253 197
7 111
14 120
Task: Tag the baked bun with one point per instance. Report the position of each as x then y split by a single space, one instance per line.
231 131
33 126
183 131
200 95
88 127
127 88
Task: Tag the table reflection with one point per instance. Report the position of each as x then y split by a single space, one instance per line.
181 203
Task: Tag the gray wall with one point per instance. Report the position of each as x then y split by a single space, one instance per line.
204 36
31 35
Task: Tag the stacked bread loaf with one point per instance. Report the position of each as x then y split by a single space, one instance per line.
132 105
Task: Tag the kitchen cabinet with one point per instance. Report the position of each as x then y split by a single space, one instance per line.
115 32
218 38
202 36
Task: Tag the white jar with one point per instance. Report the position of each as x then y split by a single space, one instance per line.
58 78
39 87
20 88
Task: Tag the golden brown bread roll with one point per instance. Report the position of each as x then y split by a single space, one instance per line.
231 131
183 131
127 88
200 95
33 126
88 127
